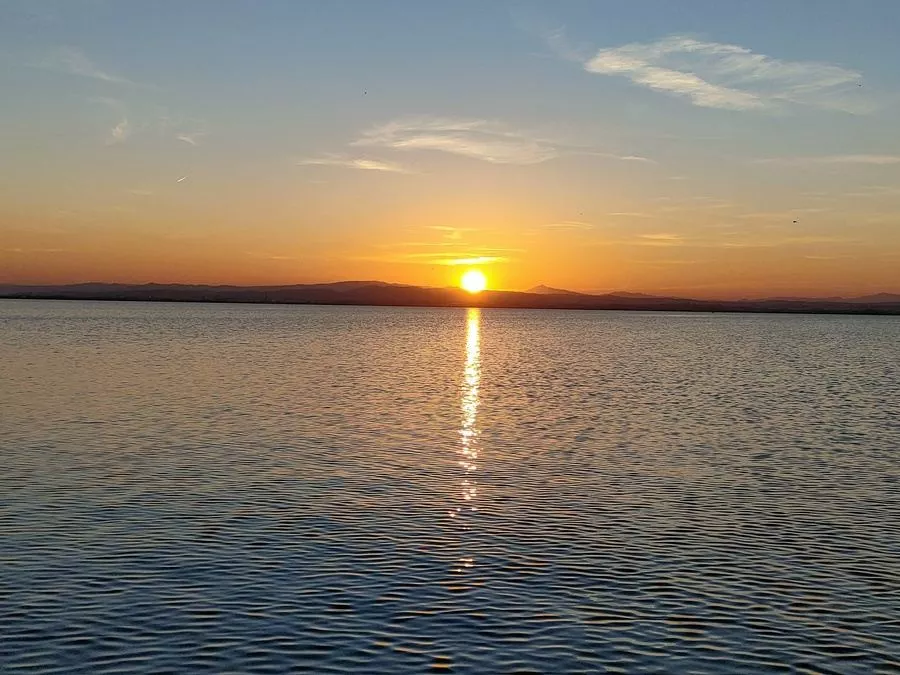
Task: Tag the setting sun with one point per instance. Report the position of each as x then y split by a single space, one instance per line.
473 281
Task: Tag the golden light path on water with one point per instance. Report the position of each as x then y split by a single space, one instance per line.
468 433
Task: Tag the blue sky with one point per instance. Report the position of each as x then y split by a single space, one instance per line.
702 147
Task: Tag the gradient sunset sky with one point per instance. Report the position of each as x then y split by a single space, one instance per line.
711 148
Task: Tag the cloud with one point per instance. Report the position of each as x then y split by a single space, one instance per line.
692 204
629 214
477 260
474 138
485 140
137 121
660 239
576 150
34 250
452 233
729 77
817 239
185 129
663 236
474 256
570 225
878 160
120 132
73 61
191 138
463 253
354 163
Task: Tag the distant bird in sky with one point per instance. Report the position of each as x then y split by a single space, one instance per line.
795 221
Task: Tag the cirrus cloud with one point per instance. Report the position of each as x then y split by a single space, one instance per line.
362 163
73 61
730 77
474 138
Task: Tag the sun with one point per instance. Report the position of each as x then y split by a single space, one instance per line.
473 281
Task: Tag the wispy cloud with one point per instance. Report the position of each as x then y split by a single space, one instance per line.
74 61
698 203
485 140
185 129
120 132
463 252
474 138
660 239
569 225
817 239
731 77
451 233
362 163
878 160
34 250
190 138
578 150
477 260
137 120
479 255
629 214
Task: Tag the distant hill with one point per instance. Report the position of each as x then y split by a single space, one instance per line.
547 290
385 294
626 294
797 298
865 299
878 297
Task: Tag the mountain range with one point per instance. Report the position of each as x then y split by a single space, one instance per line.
386 294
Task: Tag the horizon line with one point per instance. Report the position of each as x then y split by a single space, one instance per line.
786 296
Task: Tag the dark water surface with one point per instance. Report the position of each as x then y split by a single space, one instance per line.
260 489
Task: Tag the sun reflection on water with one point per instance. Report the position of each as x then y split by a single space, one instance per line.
469 403
468 432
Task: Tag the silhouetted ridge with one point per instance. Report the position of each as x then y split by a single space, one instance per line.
386 294
547 290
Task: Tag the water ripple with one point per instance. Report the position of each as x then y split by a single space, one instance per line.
279 489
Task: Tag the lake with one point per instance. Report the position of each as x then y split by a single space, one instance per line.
205 488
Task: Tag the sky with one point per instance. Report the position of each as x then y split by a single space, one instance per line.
707 148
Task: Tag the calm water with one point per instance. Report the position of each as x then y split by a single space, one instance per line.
254 489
